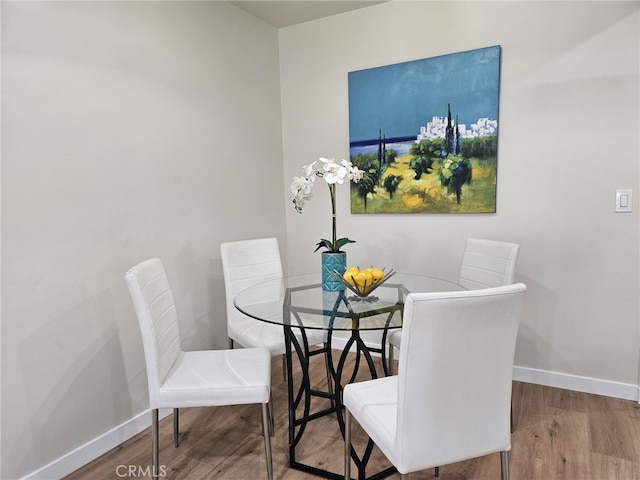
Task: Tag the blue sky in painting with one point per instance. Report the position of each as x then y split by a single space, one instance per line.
400 98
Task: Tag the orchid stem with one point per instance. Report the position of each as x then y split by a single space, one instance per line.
332 190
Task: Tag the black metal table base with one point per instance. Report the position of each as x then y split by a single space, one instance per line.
300 396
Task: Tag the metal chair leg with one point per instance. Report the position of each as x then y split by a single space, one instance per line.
504 465
176 427
511 418
272 427
267 439
347 444
391 353
155 455
436 472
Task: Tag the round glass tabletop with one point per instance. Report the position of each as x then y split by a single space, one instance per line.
299 301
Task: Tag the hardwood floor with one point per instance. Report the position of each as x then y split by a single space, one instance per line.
559 435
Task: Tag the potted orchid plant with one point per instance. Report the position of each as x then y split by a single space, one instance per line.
333 173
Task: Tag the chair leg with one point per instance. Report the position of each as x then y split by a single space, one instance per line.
511 415
176 427
436 472
504 464
391 353
347 444
272 427
267 439
155 455
511 418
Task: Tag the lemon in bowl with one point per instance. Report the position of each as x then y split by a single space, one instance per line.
350 274
376 274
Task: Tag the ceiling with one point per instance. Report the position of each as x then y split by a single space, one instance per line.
286 13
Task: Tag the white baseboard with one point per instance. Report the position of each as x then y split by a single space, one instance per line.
111 439
547 378
607 388
95 448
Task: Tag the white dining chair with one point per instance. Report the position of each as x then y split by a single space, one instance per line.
179 379
246 263
485 263
455 344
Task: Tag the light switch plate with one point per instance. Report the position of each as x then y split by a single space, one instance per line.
624 200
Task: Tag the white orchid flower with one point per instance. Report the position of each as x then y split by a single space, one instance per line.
310 171
334 173
329 164
353 173
301 185
299 202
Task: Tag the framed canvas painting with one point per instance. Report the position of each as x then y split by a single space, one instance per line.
425 132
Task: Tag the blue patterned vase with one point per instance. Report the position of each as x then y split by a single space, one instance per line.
332 262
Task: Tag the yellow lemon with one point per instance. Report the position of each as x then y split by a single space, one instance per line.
349 275
363 280
377 274
351 271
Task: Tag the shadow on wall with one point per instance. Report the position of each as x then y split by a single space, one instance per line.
199 290
217 305
538 316
80 356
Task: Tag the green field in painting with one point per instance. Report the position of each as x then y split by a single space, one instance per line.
427 195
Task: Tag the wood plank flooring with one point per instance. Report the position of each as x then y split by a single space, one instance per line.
559 435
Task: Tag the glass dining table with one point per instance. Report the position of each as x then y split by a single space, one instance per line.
299 304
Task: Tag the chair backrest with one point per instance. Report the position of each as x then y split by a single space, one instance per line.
488 263
246 263
455 374
154 305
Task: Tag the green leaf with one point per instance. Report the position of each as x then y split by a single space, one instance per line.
324 243
341 242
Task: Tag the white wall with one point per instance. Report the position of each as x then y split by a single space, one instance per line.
568 138
129 130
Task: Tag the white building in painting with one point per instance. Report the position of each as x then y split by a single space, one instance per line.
437 128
